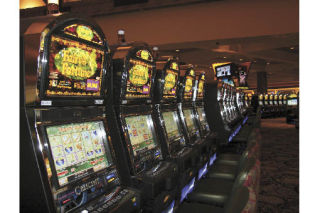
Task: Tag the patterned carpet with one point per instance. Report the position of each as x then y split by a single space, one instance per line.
279 186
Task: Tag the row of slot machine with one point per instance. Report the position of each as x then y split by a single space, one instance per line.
277 105
113 131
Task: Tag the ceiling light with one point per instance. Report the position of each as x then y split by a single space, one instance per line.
224 57
241 59
177 50
268 63
291 48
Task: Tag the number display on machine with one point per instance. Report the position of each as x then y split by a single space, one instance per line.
139 81
140 133
223 71
78 149
189 120
172 128
75 69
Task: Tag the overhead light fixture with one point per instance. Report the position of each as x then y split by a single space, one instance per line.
224 57
177 50
241 59
291 48
268 63
53 6
255 61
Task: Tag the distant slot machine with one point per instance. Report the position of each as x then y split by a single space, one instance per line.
134 73
67 69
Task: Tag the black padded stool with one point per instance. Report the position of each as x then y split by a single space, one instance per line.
216 191
235 204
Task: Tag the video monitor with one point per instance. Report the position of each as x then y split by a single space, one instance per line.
75 69
171 124
223 71
170 84
292 102
141 133
189 120
139 76
78 149
202 116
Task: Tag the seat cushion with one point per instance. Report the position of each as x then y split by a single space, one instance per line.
223 171
197 207
228 159
211 191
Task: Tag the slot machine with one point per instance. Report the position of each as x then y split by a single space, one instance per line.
266 105
201 118
66 74
250 100
169 127
246 100
276 105
188 118
134 71
292 108
215 106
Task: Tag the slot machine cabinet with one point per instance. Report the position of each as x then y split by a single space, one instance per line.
169 127
134 72
198 103
66 66
216 108
187 114
276 105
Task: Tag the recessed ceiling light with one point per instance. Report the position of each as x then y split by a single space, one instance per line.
224 57
177 50
255 61
291 48
240 59
268 63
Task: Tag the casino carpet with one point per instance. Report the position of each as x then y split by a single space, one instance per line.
279 184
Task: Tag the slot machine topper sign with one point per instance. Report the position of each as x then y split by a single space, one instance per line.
170 81
200 92
189 83
140 75
75 66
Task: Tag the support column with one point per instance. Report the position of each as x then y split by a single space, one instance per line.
262 82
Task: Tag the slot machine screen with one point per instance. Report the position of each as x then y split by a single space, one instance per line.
171 125
141 133
78 150
170 84
75 69
292 102
189 120
139 79
202 116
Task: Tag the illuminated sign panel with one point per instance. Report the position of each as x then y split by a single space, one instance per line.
170 84
75 69
139 81
200 88
188 87
83 32
223 71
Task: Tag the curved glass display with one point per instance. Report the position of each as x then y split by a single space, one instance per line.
140 132
171 125
78 150
189 120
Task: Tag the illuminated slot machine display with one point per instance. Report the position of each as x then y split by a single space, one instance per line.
250 99
134 73
187 116
170 127
67 69
292 110
266 108
271 105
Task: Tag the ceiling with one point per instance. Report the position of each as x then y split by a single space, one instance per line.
278 55
265 33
